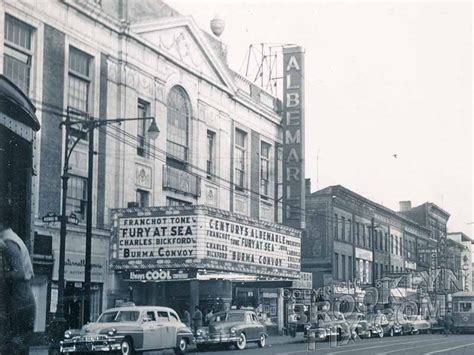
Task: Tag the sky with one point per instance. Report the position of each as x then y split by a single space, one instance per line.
382 79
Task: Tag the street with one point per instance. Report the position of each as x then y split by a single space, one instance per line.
418 344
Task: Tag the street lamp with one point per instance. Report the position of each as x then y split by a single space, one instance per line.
88 125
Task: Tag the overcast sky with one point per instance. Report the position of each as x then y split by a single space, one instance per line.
382 78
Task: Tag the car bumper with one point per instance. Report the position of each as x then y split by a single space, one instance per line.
105 345
221 339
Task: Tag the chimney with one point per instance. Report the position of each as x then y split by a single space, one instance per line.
405 206
307 186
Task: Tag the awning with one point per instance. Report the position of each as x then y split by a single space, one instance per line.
15 104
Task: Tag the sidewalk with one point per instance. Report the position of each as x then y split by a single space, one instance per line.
272 340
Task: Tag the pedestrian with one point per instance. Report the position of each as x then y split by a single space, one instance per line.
187 318
209 315
448 322
17 273
197 319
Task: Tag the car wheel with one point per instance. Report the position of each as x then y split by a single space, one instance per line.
261 342
126 347
369 335
182 347
391 332
242 342
381 333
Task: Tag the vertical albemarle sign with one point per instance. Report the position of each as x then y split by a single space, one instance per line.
293 137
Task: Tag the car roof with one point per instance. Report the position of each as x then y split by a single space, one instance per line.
234 311
141 308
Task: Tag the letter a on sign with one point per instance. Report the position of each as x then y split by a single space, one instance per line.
292 64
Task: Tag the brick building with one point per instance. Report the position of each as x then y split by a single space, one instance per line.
220 135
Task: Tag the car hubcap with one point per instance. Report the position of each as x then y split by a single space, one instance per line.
242 341
391 332
182 344
262 340
125 349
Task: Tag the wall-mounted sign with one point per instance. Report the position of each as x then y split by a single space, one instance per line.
204 237
159 275
363 254
74 266
293 137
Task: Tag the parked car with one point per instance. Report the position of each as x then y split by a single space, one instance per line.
418 324
359 325
130 329
379 324
233 327
396 325
328 325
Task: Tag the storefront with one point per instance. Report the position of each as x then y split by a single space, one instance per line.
190 256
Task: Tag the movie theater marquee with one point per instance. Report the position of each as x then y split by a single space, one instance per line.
199 236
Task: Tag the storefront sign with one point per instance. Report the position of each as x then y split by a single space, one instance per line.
74 267
293 137
410 265
159 275
202 238
305 281
363 254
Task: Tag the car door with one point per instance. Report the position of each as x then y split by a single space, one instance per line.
167 340
249 327
152 332
259 328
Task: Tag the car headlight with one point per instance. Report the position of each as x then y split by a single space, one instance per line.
307 326
233 330
67 334
199 332
112 332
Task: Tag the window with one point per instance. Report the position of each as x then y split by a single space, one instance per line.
336 266
176 202
396 245
150 316
211 153
163 316
179 112
349 261
391 243
265 168
343 228
240 161
357 231
143 144
376 239
79 79
386 242
174 317
336 227
380 240
143 198
18 53
465 307
349 230
343 261
77 196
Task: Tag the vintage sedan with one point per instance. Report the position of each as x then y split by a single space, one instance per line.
363 326
232 328
418 324
130 329
327 325
397 323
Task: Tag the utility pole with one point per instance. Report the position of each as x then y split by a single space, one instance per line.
373 251
90 180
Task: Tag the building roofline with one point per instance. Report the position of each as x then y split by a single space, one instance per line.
370 202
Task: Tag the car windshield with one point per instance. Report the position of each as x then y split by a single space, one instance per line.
235 317
119 316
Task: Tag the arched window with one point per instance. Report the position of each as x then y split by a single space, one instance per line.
179 111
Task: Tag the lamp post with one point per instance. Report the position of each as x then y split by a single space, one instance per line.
88 125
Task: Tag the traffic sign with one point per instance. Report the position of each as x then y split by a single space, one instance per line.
51 217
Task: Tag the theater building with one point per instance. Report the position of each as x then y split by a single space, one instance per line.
189 256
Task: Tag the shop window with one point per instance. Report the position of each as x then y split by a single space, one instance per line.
18 52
